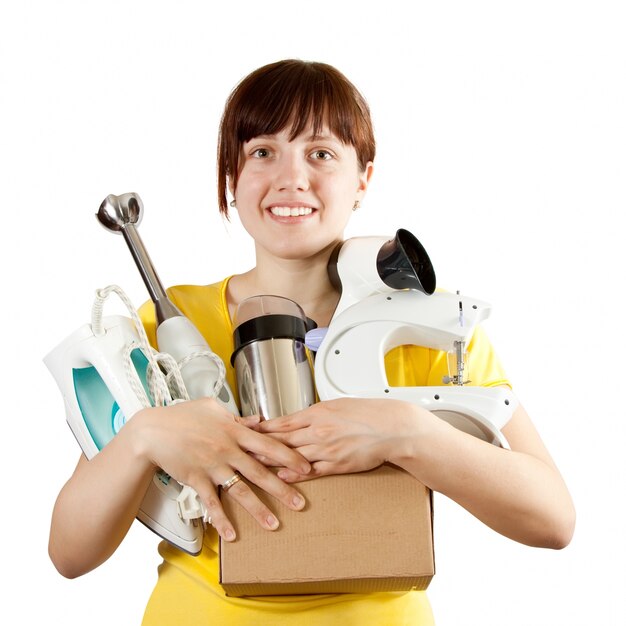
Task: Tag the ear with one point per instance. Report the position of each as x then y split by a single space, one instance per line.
364 179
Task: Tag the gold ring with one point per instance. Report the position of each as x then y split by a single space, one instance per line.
235 478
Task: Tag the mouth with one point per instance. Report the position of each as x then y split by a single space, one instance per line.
291 211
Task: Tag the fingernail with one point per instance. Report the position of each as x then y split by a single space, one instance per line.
271 522
298 501
229 535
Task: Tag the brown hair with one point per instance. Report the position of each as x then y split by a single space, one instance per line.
291 92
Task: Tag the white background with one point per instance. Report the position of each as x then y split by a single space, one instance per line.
502 146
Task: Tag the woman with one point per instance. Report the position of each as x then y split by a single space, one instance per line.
296 155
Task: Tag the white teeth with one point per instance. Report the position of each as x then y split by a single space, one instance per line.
285 211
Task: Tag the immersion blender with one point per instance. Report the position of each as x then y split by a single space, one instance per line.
176 334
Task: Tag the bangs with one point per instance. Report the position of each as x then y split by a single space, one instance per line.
298 100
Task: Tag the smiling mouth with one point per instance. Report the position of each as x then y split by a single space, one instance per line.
285 211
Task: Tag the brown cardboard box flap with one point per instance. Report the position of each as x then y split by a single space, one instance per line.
358 533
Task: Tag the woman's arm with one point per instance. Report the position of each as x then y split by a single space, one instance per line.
96 507
518 492
199 444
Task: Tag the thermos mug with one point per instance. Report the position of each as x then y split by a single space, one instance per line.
273 367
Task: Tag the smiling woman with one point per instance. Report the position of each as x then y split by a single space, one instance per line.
296 152
292 96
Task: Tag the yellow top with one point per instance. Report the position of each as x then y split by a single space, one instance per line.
188 591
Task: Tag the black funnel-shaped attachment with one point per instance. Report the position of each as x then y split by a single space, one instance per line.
403 263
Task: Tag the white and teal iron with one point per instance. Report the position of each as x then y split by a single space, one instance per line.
97 375
106 372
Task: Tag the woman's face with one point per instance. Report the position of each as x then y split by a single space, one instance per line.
295 197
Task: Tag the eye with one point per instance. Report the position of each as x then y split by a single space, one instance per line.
322 155
260 153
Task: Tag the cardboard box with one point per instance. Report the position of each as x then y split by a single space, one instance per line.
359 533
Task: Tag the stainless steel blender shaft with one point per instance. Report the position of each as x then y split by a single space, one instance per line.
121 214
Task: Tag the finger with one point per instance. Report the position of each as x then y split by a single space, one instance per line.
290 476
320 468
258 443
285 423
298 439
327 468
215 512
314 452
265 460
243 495
250 421
271 484
287 439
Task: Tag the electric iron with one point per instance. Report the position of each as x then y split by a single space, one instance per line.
107 371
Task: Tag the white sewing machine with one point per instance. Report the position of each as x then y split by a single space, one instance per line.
388 299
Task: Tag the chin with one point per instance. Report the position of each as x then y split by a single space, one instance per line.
300 245
291 254
300 251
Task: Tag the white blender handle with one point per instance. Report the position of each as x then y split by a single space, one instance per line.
180 338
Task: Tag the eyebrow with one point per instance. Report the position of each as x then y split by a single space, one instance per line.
318 137
326 137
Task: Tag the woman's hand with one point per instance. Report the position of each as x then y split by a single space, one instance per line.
518 492
201 444
345 435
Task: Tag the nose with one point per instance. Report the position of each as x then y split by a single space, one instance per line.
291 174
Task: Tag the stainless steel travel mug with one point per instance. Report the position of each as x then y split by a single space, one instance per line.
273 368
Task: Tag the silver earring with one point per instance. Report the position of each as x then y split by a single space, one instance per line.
233 204
357 204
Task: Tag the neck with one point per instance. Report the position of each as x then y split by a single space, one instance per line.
303 281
